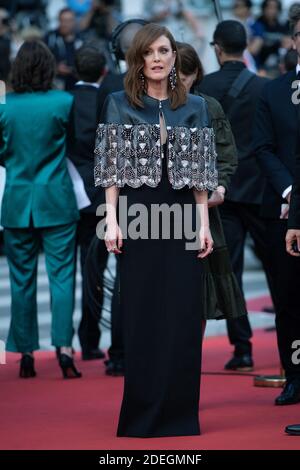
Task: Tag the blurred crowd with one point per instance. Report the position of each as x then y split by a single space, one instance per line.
66 24
76 21
268 34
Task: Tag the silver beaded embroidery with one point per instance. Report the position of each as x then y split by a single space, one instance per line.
131 154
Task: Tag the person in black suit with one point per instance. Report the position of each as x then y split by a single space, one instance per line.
293 234
240 211
90 67
276 142
293 246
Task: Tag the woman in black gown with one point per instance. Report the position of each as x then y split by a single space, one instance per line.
155 146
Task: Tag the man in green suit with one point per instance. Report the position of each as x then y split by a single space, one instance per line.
39 207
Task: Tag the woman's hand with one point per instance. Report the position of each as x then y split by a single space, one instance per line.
113 236
206 242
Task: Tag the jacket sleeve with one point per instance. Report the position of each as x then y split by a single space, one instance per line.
264 146
294 212
225 144
105 161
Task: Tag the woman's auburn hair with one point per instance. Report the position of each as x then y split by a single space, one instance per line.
135 60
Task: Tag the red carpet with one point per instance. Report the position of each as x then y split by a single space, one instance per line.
258 303
50 413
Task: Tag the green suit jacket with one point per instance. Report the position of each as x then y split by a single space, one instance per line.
32 149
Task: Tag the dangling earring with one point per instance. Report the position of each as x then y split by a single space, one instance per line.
142 80
173 78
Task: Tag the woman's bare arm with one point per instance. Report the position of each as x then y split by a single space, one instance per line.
206 242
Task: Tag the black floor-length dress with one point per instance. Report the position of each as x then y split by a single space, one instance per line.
160 295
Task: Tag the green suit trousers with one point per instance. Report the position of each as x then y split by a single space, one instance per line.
22 248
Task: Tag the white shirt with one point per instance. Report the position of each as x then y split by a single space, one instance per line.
81 82
78 185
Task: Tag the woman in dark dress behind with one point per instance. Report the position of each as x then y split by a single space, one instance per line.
155 147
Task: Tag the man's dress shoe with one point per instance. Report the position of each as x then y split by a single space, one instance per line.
114 367
91 354
290 393
293 429
240 363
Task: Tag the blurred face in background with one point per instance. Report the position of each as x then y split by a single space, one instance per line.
188 80
296 39
159 58
67 23
271 11
240 9
101 5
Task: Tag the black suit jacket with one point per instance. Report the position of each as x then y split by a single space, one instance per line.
276 140
84 119
247 183
294 213
112 82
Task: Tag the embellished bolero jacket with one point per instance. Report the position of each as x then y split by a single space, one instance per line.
128 146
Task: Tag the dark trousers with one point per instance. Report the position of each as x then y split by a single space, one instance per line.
89 330
116 350
286 270
238 220
93 260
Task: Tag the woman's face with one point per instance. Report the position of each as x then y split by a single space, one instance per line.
159 59
241 10
188 80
